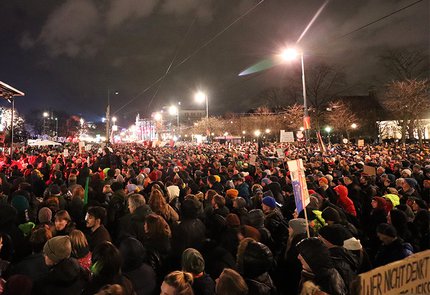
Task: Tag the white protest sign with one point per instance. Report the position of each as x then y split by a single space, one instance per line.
410 275
286 136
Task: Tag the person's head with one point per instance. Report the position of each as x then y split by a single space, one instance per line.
386 233
132 253
44 215
268 204
177 283
297 226
333 235
157 202
79 242
39 237
114 289
253 258
331 215
156 226
218 202
323 182
313 255
62 219
193 262
57 249
135 201
230 282
78 192
106 261
95 217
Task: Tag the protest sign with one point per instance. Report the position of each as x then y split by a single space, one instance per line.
298 180
360 142
252 160
410 275
286 136
369 170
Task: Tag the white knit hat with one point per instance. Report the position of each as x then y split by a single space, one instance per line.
352 244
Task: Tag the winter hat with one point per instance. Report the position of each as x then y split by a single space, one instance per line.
323 180
192 261
173 191
334 234
298 225
232 193
58 248
266 181
255 218
55 190
407 172
382 203
269 202
386 229
331 214
411 182
20 203
352 244
44 215
131 188
255 259
315 253
232 220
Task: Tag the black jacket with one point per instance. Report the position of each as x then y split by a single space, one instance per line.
143 279
97 237
328 279
397 250
261 285
65 278
32 266
345 263
132 225
204 285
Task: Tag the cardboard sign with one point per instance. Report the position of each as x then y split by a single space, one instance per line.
407 276
360 142
369 170
280 153
286 136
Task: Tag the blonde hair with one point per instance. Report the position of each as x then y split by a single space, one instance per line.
78 240
181 281
158 203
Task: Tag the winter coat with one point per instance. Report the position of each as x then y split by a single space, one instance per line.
328 279
65 278
343 201
32 266
143 279
204 285
394 251
261 285
97 237
345 263
133 224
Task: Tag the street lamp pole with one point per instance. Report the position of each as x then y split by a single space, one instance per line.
306 118
108 116
56 128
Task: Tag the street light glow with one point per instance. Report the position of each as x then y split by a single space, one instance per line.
158 116
267 130
289 54
257 133
353 126
302 128
327 129
200 97
243 132
173 110
45 114
114 119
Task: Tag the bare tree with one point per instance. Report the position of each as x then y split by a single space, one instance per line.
341 117
408 100
404 63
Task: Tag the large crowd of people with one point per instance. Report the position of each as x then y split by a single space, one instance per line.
207 219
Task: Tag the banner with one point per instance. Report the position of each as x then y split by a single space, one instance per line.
298 180
410 275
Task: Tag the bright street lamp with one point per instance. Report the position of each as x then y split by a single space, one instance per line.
353 126
257 133
290 54
114 119
158 116
267 131
327 129
201 97
45 114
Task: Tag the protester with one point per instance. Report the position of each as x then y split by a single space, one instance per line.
231 283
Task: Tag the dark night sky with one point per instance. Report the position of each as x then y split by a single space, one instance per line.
65 54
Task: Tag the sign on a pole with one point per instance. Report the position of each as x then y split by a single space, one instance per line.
410 275
286 136
298 180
